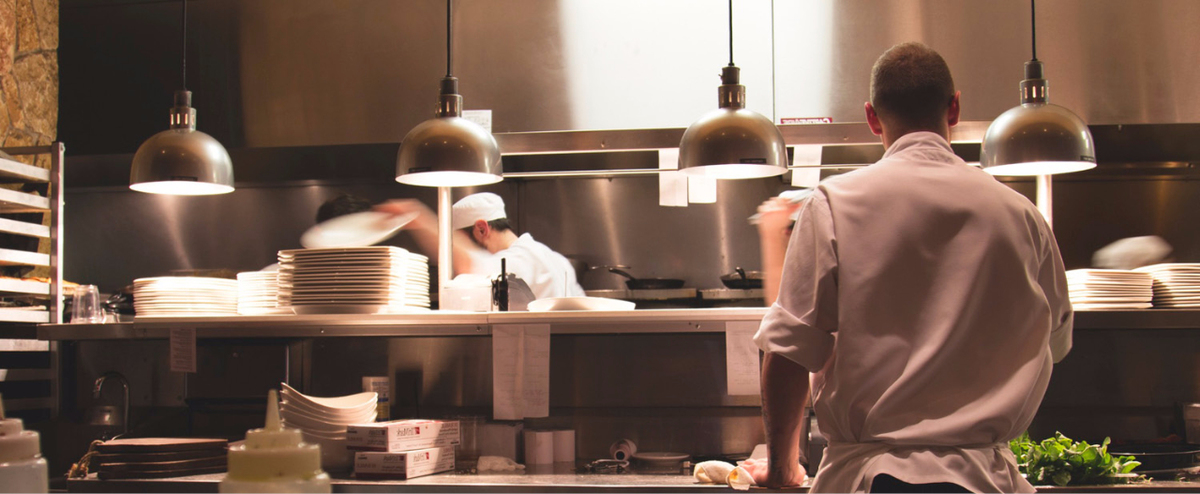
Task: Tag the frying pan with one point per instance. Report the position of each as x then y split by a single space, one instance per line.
741 279
647 283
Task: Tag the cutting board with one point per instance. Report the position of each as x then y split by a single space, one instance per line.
103 475
159 445
101 459
164 466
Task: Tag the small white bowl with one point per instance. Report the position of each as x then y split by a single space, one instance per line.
351 403
367 415
311 426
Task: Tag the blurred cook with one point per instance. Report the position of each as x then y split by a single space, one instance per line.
482 237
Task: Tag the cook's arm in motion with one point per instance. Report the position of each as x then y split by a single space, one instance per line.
774 229
424 230
797 335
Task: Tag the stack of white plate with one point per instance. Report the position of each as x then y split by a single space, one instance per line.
354 280
1176 285
1098 289
185 296
258 293
323 421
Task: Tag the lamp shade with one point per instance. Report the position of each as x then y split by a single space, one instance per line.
182 160
448 150
732 142
1037 138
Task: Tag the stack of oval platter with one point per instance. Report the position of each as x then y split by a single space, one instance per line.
258 293
185 296
353 280
323 421
1107 289
1176 285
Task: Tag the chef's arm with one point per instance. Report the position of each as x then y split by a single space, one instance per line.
774 231
784 393
424 229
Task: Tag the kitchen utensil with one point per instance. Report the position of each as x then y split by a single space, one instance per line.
647 283
355 230
579 303
659 461
741 279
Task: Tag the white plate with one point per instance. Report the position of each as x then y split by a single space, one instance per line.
353 309
355 230
579 303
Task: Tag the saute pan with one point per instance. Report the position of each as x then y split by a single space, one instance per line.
740 279
647 283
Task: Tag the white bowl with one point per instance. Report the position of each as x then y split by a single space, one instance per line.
351 403
579 303
313 426
367 415
325 435
334 455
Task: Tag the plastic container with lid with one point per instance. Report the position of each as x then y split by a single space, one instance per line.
275 459
22 468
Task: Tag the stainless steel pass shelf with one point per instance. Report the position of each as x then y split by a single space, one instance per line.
618 483
438 323
435 323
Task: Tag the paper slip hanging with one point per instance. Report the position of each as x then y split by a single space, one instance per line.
520 371
742 372
183 350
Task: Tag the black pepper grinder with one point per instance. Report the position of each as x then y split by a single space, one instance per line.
500 288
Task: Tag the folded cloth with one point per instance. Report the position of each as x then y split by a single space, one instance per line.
712 472
719 472
497 464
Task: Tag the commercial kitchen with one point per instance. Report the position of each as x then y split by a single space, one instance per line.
588 103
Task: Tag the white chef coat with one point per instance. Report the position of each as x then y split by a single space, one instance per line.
547 273
930 301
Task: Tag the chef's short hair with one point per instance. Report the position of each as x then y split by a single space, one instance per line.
500 225
342 205
911 87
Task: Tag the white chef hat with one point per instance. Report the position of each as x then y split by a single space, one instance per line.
484 206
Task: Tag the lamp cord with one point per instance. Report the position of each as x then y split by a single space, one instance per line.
1033 26
448 36
731 33
184 44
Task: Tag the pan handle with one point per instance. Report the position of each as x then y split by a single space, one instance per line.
741 272
617 270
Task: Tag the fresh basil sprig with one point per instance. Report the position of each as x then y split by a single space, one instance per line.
1060 461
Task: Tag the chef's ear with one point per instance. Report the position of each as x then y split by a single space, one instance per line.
953 111
482 228
873 119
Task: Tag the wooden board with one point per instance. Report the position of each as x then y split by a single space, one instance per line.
102 459
165 466
159 445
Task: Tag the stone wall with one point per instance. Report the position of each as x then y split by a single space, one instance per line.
28 90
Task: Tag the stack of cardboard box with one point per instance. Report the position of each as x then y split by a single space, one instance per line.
402 449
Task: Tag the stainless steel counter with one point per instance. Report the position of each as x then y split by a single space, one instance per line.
452 323
432 323
620 483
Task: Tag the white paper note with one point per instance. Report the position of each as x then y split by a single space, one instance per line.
506 372
183 350
536 381
520 371
741 358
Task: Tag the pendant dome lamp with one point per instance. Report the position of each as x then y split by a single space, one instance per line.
1037 138
448 150
182 160
732 142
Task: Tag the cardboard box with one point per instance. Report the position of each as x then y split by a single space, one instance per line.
401 435
403 465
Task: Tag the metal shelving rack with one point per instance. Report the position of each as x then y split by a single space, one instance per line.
30 380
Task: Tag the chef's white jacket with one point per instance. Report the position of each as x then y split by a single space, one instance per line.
930 301
547 273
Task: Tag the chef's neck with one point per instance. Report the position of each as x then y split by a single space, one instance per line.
891 135
497 241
